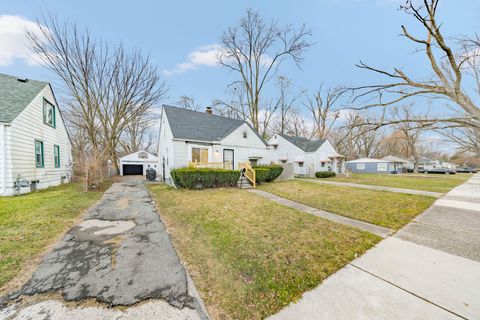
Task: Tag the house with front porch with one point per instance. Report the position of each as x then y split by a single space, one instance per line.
203 139
307 156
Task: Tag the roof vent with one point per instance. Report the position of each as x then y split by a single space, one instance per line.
209 110
23 80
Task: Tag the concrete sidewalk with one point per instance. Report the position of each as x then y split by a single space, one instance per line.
428 270
373 187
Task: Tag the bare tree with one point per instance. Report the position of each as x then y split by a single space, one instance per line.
448 70
189 103
324 110
236 107
467 139
298 126
137 136
284 104
410 133
109 89
255 50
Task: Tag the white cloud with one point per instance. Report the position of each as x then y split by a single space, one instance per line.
205 56
202 56
13 39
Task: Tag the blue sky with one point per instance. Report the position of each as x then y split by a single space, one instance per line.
344 31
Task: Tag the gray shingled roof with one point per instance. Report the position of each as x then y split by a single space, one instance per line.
16 95
303 143
201 126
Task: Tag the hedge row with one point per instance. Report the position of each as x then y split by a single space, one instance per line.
267 173
191 178
324 174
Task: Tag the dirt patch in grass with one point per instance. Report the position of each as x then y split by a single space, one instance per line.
427 182
31 224
250 257
383 208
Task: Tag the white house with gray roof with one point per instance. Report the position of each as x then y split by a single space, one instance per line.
35 150
188 136
307 156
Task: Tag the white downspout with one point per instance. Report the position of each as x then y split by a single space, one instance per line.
4 157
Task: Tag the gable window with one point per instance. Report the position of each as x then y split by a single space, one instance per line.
244 134
48 113
300 164
56 156
39 154
360 166
142 155
199 154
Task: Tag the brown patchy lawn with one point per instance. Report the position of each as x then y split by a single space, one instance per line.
250 257
383 208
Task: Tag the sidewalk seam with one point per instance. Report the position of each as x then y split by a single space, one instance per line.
407 291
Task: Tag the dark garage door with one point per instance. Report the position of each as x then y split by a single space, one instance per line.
132 169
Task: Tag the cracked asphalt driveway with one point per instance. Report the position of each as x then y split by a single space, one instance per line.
120 255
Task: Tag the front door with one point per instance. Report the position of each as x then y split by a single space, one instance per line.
228 156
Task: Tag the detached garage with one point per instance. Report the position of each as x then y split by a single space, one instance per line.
137 163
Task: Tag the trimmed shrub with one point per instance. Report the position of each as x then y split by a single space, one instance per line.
261 174
324 174
275 171
191 178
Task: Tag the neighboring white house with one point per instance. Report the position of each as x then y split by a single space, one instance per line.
35 150
307 156
137 163
190 136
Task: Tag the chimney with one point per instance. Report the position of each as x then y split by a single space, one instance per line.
209 110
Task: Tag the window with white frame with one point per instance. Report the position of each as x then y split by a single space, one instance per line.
360 166
382 167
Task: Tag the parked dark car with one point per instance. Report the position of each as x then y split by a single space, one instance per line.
467 170
441 171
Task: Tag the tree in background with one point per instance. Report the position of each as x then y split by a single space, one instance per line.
108 88
254 52
189 103
325 110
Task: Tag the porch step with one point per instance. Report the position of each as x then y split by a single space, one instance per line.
243 183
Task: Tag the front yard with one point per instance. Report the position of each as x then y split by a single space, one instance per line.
30 223
428 182
250 257
383 208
